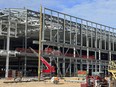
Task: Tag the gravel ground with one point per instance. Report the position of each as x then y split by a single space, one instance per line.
38 84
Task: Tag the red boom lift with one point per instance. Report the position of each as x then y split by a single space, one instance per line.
50 69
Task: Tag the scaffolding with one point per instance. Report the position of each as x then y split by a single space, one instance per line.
74 43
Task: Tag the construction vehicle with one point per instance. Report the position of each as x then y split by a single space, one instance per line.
47 69
112 71
50 69
97 79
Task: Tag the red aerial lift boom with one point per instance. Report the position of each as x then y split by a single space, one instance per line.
50 69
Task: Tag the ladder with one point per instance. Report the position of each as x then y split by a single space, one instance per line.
112 68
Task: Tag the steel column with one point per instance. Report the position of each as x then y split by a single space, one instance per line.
8 44
58 36
81 68
70 67
64 66
105 38
70 31
51 39
58 66
109 46
76 67
91 35
26 25
87 44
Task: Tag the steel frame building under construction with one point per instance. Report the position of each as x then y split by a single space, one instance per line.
69 43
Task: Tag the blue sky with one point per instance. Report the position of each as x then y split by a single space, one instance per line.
100 11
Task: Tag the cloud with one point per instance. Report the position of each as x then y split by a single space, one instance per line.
58 4
101 11
31 4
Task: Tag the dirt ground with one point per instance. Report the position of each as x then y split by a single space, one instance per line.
62 83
